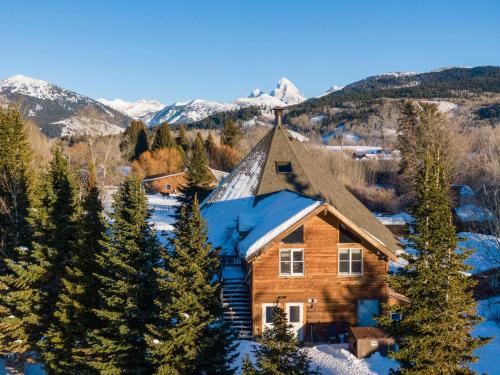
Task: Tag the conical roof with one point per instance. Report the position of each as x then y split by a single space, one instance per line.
257 175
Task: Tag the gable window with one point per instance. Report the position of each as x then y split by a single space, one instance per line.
346 236
494 281
283 167
350 262
291 262
168 186
297 236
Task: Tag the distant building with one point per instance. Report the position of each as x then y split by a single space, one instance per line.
172 183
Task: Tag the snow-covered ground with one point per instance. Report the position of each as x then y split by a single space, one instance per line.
335 360
331 360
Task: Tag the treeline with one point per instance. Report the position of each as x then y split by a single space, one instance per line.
445 84
219 119
159 151
86 294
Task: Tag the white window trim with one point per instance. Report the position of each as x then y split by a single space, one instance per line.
264 324
350 262
292 274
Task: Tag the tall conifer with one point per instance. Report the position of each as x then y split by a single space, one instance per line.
182 139
74 316
35 279
163 137
127 285
14 184
434 333
189 338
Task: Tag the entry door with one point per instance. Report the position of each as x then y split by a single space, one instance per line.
295 315
367 308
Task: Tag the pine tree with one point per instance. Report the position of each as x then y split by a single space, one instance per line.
127 286
279 353
135 141
231 134
74 315
434 333
247 367
210 144
34 281
188 337
182 139
410 140
198 175
14 184
163 138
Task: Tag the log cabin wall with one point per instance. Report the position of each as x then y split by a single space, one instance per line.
336 295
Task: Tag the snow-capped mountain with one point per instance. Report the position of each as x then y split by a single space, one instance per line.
191 111
59 111
142 109
285 93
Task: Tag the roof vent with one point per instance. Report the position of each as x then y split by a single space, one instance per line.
278 115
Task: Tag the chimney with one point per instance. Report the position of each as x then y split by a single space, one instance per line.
278 115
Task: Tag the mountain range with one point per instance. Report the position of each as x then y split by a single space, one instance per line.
62 112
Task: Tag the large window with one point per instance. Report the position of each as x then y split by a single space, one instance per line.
291 262
350 262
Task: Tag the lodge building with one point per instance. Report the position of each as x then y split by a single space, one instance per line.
292 234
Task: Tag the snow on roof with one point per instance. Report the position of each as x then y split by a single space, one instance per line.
272 216
471 213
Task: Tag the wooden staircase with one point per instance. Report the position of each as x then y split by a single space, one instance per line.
236 298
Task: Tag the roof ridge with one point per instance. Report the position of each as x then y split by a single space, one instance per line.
273 131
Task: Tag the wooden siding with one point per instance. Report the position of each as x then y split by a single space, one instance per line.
335 295
159 185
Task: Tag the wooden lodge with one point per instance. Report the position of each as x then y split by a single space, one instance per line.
173 183
292 235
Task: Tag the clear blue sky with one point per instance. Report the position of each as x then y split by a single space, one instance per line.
215 49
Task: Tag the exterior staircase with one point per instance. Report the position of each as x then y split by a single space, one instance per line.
236 301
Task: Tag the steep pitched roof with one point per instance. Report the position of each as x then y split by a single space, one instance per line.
256 176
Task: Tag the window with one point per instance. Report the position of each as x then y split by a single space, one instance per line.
297 236
168 186
346 236
395 316
292 262
294 316
269 314
350 262
283 167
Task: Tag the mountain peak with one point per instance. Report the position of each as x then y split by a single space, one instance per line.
21 79
287 92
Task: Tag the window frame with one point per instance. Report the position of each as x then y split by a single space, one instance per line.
292 250
350 273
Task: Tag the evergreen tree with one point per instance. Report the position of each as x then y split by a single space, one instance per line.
14 184
182 139
34 281
434 333
135 141
280 353
188 338
198 175
231 134
163 138
210 144
410 140
74 315
127 286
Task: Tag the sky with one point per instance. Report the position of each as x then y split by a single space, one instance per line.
223 49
